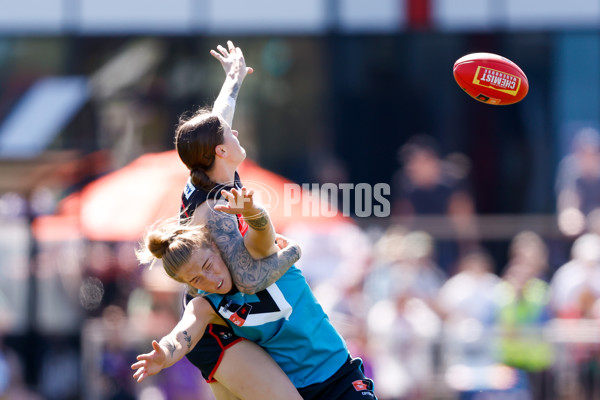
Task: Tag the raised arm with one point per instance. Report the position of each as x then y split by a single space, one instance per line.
174 346
249 275
234 64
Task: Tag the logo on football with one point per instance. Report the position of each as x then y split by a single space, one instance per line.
491 79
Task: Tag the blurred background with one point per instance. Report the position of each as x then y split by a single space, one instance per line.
483 283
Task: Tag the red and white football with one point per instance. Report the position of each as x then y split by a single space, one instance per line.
491 79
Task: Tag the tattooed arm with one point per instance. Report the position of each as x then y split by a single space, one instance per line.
232 60
173 347
260 238
249 275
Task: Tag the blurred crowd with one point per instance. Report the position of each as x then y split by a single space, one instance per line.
432 318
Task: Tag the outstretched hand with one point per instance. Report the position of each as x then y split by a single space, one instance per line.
232 60
238 202
150 363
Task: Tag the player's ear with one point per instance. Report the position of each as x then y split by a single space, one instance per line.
220 151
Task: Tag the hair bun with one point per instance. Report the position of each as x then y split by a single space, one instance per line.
158 243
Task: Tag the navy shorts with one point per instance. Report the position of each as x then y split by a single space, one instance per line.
348 383
209 351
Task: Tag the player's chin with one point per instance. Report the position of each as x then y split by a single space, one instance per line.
243 154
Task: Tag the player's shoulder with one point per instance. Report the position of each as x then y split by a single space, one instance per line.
199 306
206 211
201 212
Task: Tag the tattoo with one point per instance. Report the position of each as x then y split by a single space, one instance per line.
249 275
170 346
258 222
235 90
188 339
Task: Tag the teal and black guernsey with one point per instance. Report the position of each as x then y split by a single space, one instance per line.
288 322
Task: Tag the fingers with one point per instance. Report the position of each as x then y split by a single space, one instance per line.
233 198
237 200
249 70
216 55
226 52
146 361
139 375
156 349
223 51
141 372
143 357
229 196
226 208
235 194
231 55
242 193
245 192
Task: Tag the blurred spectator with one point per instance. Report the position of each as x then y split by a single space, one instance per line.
428 185
347 305
528 248
523 301
402 331
470 293
402 324
404 262
331 251
578 182
469 308
575 295
575 287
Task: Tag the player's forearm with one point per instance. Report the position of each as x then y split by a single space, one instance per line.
175 346
260 238
266 271
276 265
225 103
249 275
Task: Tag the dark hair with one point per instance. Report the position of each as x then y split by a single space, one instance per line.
195 141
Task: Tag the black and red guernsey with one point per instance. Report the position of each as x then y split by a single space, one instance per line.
193 196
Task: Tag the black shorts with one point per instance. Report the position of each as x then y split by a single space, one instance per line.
209 351
348 383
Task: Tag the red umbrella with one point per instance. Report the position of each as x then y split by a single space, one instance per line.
121 205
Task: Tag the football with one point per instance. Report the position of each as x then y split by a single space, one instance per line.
491 79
